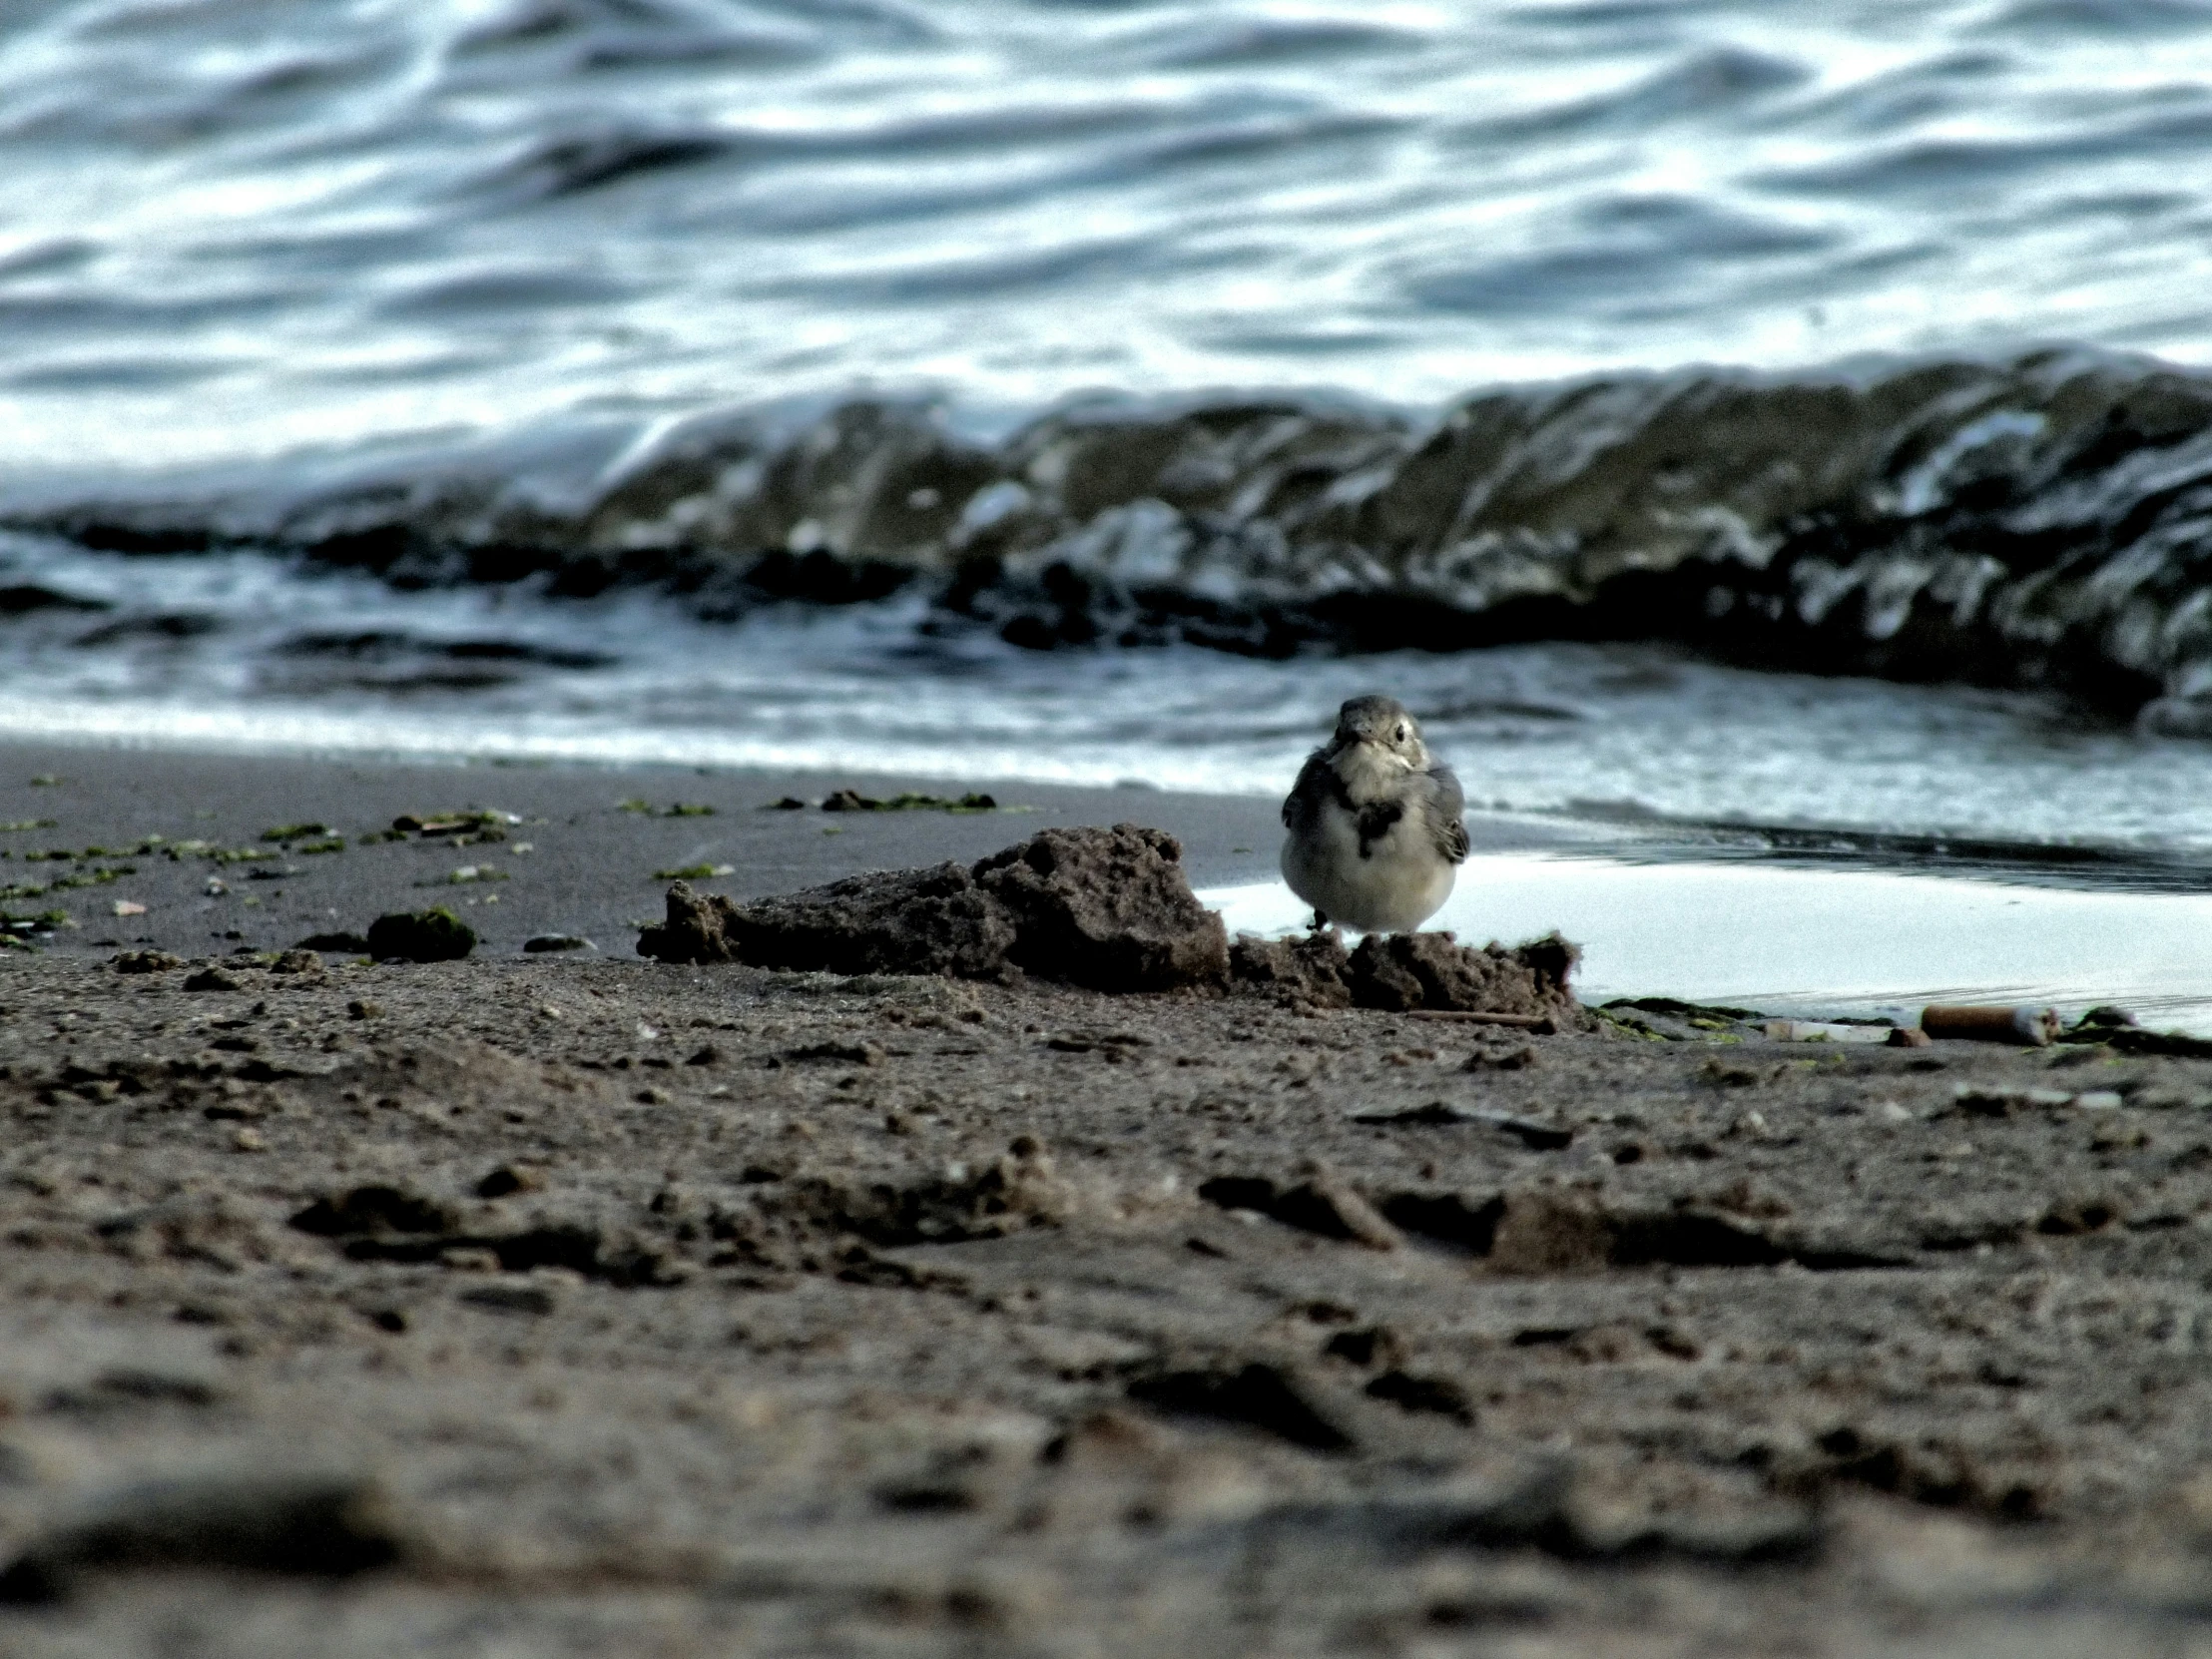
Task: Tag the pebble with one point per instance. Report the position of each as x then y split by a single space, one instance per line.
511 1178
432 936
530 1300
144 961
1500 1059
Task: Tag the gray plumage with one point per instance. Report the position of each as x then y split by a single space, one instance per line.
1374 832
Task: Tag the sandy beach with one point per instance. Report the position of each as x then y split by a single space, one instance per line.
573 850
573 1303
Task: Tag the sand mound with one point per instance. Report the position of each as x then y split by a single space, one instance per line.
1400 972
1107 909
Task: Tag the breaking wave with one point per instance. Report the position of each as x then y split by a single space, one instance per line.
2042 521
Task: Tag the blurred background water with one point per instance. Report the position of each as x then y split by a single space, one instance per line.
234 227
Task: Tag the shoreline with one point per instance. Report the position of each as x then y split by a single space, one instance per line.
589 869
582 850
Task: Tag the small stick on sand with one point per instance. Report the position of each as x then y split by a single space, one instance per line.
1542 1025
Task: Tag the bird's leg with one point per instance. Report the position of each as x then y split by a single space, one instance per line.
1319 924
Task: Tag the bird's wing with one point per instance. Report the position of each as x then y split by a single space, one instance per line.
1444 806
1316 781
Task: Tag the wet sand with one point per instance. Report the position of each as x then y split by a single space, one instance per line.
592 1304
581 860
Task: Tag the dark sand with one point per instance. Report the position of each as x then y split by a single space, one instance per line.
617 1307
589 866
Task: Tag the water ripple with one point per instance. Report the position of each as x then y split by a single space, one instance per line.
791 197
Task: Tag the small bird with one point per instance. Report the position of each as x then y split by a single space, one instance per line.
1375 832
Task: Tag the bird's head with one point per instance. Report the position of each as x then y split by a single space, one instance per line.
1383 723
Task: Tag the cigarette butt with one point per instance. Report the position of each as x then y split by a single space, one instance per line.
2032 1027
1908 1036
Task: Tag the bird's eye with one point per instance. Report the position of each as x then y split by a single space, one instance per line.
1401 733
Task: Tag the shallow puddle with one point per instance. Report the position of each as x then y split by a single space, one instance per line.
1803 940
